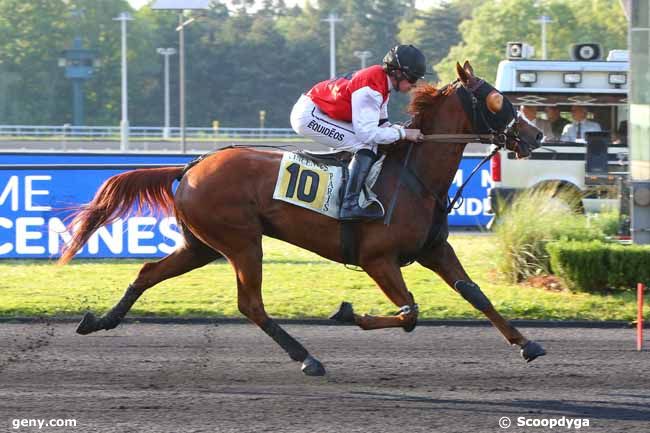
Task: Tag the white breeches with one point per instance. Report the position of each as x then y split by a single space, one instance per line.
307 120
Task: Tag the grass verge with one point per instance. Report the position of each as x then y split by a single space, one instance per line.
297 284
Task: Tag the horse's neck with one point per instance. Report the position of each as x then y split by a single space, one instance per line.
436 163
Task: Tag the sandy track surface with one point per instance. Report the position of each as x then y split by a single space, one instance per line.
233 378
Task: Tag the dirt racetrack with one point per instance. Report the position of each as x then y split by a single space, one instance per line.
233 378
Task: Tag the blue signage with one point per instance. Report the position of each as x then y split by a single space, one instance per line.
36 203
51 158
472 211
35 207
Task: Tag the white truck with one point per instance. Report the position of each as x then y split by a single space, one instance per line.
593 166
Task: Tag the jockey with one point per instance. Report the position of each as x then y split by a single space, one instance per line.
350 113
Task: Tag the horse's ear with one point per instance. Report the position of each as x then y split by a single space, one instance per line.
468 68
463 76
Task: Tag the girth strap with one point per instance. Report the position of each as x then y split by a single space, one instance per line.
350 242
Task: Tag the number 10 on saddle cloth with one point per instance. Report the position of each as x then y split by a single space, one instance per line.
317 186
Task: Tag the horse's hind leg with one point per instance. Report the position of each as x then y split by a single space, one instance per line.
193 254
388 276
247 263
444 262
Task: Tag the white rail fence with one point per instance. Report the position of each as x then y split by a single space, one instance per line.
31 138
153 132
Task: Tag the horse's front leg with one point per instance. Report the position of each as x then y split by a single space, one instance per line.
443 260
388 276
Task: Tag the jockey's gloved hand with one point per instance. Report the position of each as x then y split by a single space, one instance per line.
414 135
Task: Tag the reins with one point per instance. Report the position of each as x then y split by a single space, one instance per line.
496 140
461 138
444 138
459 191
452 139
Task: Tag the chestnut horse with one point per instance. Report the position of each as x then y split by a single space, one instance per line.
225 205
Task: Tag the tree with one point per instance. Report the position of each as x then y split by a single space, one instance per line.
31 40
369 26
507 20
600 21
103 34
244 60
149 31
466 7
434 31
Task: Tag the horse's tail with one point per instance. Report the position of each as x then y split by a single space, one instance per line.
147 189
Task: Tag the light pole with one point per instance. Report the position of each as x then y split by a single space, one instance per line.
332 19
124 124
181 61
262 118
166 52
181 84
363 55
543 20
180 6
639 97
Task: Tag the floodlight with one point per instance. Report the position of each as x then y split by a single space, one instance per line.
527 77
617 79
572 78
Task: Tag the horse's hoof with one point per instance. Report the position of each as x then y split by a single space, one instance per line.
411 326
312 367
532 350
345 313
88 324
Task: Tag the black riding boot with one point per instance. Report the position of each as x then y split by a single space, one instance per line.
358 171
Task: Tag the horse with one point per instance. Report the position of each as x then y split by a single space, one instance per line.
224 205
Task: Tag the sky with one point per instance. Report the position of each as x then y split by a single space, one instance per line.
420 4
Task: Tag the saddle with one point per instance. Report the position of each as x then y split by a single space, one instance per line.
337 157
330 157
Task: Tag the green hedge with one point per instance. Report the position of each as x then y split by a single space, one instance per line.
539 216
596 265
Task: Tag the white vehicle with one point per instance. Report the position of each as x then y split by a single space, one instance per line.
592 166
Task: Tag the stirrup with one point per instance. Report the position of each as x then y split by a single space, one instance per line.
360 213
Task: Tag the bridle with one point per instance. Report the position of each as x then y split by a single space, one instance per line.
484 131
483 125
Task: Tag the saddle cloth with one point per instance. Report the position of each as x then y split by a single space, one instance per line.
318 186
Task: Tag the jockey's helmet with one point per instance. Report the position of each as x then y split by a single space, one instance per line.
408 59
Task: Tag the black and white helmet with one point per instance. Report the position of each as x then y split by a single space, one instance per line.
407 59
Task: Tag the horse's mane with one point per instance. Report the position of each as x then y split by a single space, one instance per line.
425 95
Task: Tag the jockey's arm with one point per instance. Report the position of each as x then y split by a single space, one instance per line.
383 116
366 112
